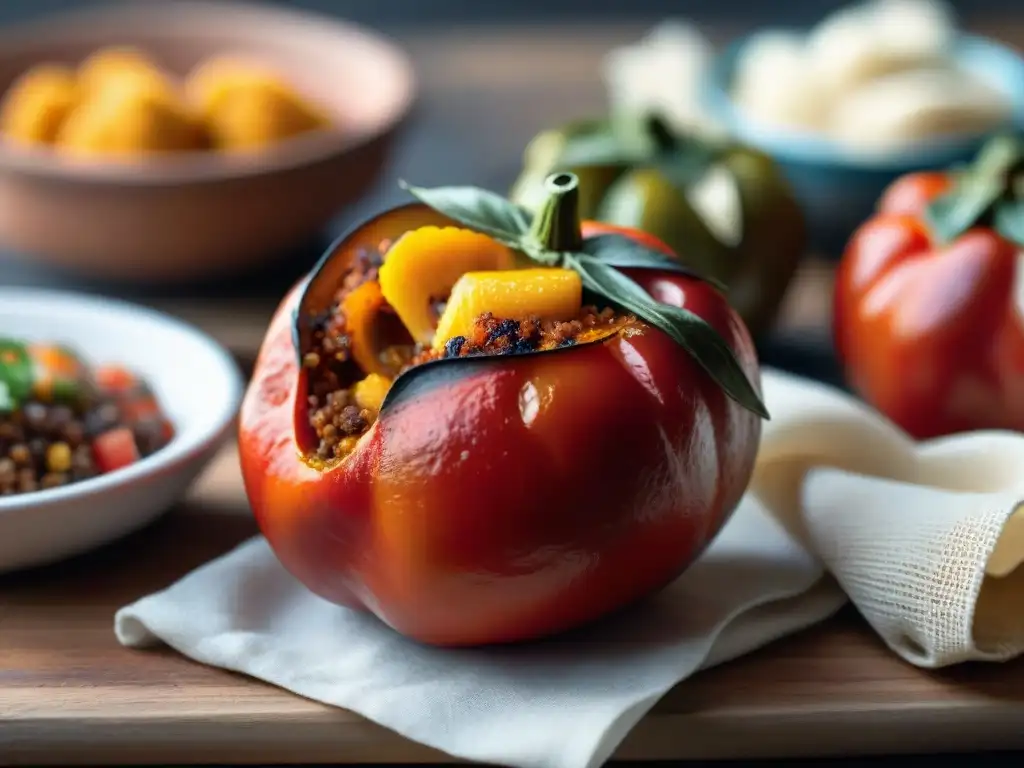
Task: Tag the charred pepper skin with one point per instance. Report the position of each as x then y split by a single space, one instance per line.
514 498
930 334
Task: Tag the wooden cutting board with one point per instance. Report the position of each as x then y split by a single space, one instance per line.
69 694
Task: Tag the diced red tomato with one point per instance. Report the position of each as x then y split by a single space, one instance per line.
115 379
115 449
137 409
168 430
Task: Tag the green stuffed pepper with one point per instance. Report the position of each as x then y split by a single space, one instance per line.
723 207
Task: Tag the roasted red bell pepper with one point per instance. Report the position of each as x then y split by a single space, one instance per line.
506 497
927 312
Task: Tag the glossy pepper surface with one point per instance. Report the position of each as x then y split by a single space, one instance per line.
499 499
928 304
724 209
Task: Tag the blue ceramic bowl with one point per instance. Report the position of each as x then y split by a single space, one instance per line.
837 189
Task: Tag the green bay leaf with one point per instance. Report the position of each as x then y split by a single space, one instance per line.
626 253
478 209
960 209
593 149
978 189
1008 220
999 156
687 329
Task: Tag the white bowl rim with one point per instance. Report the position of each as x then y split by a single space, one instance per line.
181 449
199 167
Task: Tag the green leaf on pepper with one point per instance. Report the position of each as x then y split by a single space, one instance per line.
596 261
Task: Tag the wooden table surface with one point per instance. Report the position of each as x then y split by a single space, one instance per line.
70 695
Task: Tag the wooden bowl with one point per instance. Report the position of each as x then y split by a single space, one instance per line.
195 215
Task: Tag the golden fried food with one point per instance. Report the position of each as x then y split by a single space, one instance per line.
110 66
119 102
247 107
37 104
130 117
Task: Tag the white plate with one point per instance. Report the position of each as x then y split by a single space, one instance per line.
196 383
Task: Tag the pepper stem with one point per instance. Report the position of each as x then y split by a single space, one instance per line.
660 133
556 227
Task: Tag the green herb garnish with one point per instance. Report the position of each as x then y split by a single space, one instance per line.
989 193
552 238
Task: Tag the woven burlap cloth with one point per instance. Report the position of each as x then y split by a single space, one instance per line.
926 539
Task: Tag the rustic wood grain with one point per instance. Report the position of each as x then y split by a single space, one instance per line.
70 695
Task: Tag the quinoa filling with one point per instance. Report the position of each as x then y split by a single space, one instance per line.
345 398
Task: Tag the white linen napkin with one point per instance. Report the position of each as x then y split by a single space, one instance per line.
907 530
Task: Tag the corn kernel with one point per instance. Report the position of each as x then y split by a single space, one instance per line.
58 457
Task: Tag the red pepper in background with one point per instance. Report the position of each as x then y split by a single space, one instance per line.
498 499
927 312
